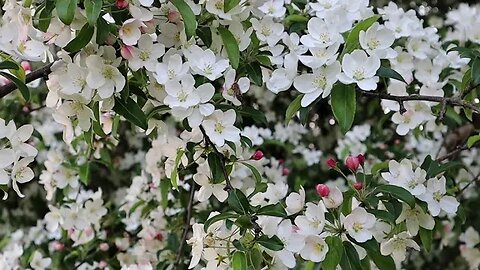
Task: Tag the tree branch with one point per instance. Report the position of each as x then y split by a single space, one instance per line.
30 77
443 100
187 224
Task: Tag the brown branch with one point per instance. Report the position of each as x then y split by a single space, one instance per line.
208 142
443 100
187 224
32 76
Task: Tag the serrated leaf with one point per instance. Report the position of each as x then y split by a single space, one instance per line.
397 192
426 237
81 40
293 108
174 175
273 243
386 72
84 173
131 111
92 10
66 10
215 163
255 172
254 72
239 260
188 17
473 140
274 210
219 217
20 85
238 202
229 5
352 42
343 105
231 46
334 254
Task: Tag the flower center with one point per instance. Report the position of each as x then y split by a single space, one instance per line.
359 74
219 127
144 55
357 227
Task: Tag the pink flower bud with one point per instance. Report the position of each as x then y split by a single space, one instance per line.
26 65
121 4
358 185
331 163
126 52
58 246
285 171
361 159
257 155
103 247
322 190
352 163
159 236
173 16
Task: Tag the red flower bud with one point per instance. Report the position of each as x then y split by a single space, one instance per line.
285 171
121 4
358 185
159 237
361 159
322 190
257 155
331 163
352 163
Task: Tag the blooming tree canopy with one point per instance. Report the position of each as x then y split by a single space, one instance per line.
237 134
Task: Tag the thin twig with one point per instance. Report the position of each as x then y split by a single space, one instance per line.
187 224
401 99
30 77
224 170
474 180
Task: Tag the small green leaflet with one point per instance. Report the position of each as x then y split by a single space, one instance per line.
85 173
174 175
92 10
131 111
81 40
386 72
239 260
334 254
188 16
344 105
66 10
20 85
352 40
273 243
293 108
229 5
396 192
231 46
238 201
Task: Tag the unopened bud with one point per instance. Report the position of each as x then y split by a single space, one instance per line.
121 4
331 163
322 190
361 159
358 185
352 163
103 247
257 155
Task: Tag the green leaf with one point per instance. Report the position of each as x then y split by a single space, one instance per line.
426 237
334 254
473 140
378 167
257 115
81 40
92 10
222 216
238 201
239 260
373 251
229 5
256 174
66 10
131 111
254 259
231 46
396 192
189 19
9 65
20 85
386 72
476 71
350 261
45 16
246 142
84 173
344 105
352 42
254 72
295 18
103 31
273 243
274 210
466 80
293 108
174 175
216 167
165 187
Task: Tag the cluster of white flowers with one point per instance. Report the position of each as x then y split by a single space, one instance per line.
15 156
